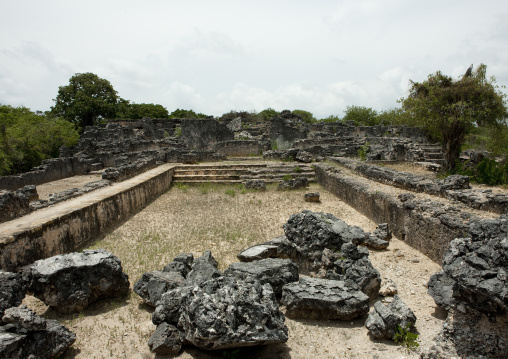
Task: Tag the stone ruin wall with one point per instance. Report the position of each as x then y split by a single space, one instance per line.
77 228
123 141
427 226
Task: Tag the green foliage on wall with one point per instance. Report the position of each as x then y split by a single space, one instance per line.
27 138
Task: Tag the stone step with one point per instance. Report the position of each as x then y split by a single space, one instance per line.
433 155
205 178
198 181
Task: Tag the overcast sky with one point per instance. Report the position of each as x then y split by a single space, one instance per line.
217 56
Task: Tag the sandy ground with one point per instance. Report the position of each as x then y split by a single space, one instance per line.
44 190
227 219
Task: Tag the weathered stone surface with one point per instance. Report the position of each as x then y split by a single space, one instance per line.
12 290
225 313
14 204
170 306
70 282
323 299
311 232
312 197
257 252
30 336
304 156
68 194
255 184
203 269
181 264
455 182
274 271
379 238
440 288
294 183
354 266
388 288
383 320
129 169
470 336
166 340
152 285
479 266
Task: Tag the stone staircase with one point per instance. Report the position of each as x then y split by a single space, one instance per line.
240 173
433 153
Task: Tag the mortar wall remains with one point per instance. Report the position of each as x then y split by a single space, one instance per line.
75 227
425 225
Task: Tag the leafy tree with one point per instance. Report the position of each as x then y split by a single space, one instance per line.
361 116
305 115
394 116
85 99
246 116
181 113
449 109
27 138
267 114
136 111
331 118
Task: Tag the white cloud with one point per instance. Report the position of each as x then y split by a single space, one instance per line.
218 56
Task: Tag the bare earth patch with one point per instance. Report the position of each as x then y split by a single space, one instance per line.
44 190
227 219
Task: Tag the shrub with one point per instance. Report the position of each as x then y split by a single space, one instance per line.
297 169
406 338
362 151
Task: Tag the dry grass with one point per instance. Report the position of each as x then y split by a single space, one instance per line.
225 219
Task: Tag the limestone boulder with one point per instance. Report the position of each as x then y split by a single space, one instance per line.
257 252
384 320
69 283
29 336
440 288
379 239
259 185
152 285
181 264
293 183
274 271
166 340
203 269
317 298
12 290
311 232
224 313
352 264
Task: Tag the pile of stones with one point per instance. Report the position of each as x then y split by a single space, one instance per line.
196 304
68 284
473 288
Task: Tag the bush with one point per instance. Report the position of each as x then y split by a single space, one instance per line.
362 151
27 138
405 337
488 171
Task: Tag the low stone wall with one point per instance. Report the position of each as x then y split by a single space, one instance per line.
50 170
79 223
425 225
453 187
239 147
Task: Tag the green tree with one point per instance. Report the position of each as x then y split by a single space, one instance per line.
267 114
361 116
305 115
136 111
27 138
181 113
449 109
85 99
